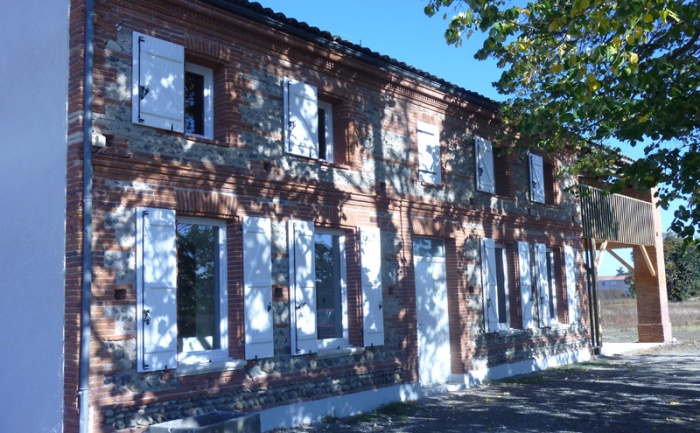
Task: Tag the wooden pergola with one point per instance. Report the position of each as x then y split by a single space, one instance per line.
615 221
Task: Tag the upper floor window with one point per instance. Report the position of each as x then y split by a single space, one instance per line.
485 175
429 161
308 122
199 106
542 180
537 189
168 93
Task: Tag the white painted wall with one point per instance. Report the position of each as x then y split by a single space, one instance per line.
33 87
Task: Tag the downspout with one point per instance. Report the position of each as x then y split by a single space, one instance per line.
85 320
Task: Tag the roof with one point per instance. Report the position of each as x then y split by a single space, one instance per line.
612 278
256 12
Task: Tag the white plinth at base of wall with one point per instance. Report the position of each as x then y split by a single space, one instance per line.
307 412
485 373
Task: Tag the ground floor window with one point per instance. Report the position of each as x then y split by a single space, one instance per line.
496 294
200 290
331 290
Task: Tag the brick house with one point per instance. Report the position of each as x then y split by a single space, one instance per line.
288 223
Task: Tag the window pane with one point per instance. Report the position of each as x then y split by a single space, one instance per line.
194 103
197 282
551 286
428 247
501 281
321 133
328 286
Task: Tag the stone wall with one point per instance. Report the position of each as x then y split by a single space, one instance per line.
244 171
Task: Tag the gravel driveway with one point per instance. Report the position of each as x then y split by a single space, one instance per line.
653 391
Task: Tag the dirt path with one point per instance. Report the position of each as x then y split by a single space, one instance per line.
653 391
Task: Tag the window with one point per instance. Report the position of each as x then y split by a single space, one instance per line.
331 289
168 93
429 162
181 290
308 122
571 292
318 293
546 285
485 176
543 178
549 269
537 186
201 290
257 287
496 298
199 90
525 271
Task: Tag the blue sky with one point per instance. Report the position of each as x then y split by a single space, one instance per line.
399 29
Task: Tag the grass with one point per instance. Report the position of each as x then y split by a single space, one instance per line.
619 318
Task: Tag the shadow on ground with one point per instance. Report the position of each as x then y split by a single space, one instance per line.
653 391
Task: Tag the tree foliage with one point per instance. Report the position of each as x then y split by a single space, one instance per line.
587 72
682 269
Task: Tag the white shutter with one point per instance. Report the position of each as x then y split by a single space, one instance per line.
488 268
485 175
157 91
372 304
570 263
156 285
525 283
542 284
536 178
429 164
257 281
303 291
300 118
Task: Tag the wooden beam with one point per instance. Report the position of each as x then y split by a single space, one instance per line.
600 254
652 271
621 260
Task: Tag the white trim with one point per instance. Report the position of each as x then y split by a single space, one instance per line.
429 168
525 278
483 373
306 412
537 190
485 172
158 66
257 288
300 118
208 75
210 367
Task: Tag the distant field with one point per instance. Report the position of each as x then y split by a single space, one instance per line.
619 318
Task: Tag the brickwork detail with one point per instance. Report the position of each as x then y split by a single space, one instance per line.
244 171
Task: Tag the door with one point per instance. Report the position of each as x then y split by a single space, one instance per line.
431 306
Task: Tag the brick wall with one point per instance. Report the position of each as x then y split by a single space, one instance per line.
243 170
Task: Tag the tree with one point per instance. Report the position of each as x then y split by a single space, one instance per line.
583 73
682 268
629 280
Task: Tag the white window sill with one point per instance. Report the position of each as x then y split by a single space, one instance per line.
210 367
337 352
